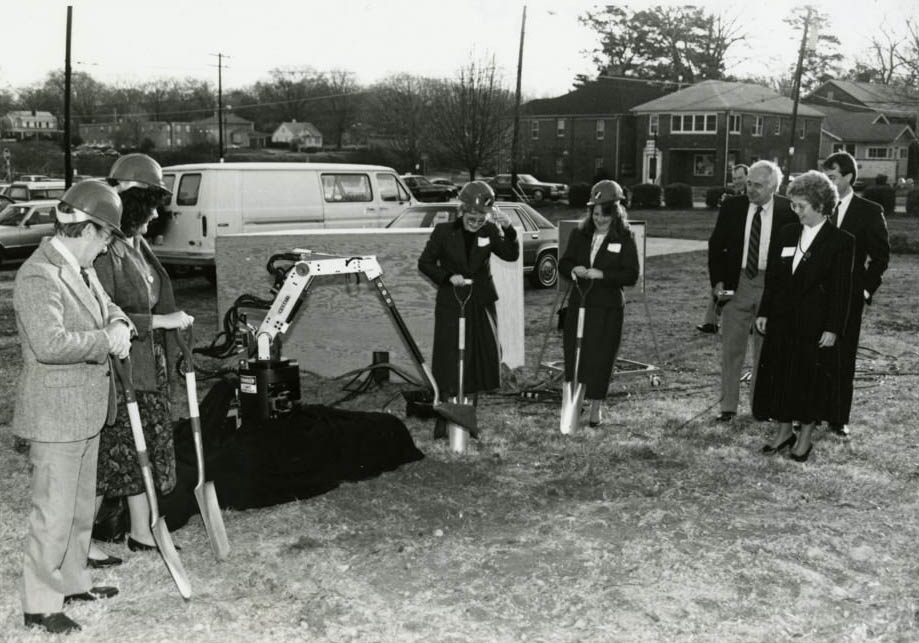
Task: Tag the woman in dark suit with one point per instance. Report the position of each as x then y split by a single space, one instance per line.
600 252
135 279
802 314
457 251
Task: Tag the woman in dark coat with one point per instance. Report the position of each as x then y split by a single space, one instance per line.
601 254
802 313
135 279
457 251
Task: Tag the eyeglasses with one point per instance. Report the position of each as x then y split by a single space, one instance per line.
475 218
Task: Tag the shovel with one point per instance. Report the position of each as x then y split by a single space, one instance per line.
157 524
573 392
458 432
205 492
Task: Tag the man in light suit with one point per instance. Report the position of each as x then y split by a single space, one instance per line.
68 329
739 251
864 220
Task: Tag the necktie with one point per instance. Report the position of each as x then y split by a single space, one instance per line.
834 218
752 268
85 276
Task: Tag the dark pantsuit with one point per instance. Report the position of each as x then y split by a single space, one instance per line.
737 319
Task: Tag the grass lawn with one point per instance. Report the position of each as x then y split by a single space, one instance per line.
657 526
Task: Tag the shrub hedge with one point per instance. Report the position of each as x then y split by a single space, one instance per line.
578 194
646 195
678 195
884 195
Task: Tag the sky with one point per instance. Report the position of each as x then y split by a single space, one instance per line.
130 41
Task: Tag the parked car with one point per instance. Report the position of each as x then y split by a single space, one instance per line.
425 190
446 182
540 236
22 226
33 177
532 188
35 190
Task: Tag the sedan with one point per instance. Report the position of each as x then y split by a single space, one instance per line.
530 187
424 190
22 226
540 236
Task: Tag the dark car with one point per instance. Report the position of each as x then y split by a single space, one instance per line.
540 236
22 226
532 189
424 190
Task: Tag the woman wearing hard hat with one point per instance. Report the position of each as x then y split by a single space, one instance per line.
602 258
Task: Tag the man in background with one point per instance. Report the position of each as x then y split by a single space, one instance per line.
864 220
738 187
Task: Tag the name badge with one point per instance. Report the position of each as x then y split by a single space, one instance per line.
614 247
788 252
483 241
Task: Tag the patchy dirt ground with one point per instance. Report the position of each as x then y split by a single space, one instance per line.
659 525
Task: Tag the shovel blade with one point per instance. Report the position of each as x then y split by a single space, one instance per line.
167 550
206 495
572 398
461 414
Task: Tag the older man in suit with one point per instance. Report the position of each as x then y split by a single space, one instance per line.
739 251
68 329
864 220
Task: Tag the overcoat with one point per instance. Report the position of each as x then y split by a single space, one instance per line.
798 380
604 304
445 255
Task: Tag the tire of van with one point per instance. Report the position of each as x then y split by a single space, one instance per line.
545 271
210 273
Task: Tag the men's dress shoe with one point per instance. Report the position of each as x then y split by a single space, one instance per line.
55 623
803 457
102 563
134 545
726 416
787 442
842 430
92 594
709 329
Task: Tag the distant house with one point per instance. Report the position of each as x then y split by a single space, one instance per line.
569 138
875 123
303 135
132 132
237 131
22 124
879 146
697 134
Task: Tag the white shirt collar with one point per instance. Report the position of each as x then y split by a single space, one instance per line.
808 233
61 247
845 201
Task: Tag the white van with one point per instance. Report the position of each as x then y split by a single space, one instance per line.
211 199
35 190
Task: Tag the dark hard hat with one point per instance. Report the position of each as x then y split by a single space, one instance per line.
605 191
91 201
477 196
137 170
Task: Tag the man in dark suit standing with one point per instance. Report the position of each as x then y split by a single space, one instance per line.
738 253
865 221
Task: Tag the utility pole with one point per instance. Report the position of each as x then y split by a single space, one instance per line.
68 162
797 95
523 23
220 57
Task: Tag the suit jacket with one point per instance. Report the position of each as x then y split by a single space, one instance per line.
815 298
65 390
726 245
124 276
865 221
617 259
444 255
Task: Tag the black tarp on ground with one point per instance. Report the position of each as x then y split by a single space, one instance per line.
303 454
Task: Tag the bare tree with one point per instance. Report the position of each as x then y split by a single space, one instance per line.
470 118
337 106
399 108
822 63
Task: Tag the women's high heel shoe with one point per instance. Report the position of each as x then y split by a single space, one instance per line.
803 457
787 442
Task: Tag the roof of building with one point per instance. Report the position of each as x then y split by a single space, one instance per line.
298 128
229 118
606 95
864 127
882 98
30 112
721 96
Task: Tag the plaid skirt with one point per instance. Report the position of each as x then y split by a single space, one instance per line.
119 473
